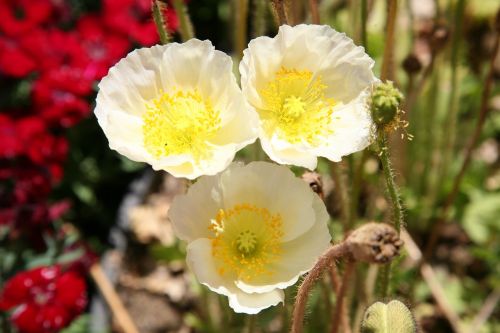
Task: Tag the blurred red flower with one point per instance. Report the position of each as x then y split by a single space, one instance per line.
18 17
133 18
44 299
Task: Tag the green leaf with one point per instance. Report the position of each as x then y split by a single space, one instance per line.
393 317
79 325
481 217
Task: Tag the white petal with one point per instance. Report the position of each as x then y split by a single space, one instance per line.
200 260
191 213
298 256
242 302
353 130
274 187
286 153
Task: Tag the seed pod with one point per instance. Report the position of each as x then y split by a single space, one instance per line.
374 242
385 104
393 317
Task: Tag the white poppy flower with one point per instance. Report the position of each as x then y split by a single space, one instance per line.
177 107
251 232
310 86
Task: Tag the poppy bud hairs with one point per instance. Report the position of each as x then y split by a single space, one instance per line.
177 107
252 231
310 86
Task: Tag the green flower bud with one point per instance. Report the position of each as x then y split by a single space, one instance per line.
393 317
385 103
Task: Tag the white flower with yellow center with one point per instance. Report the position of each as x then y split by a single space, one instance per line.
310 86
177 107
251 232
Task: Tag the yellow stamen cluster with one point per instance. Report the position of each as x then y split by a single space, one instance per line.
180 123
246 240
296 108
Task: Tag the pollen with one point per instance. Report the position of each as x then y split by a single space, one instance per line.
180 123
246 241
295 107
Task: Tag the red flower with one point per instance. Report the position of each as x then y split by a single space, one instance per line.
102 47
18 17
14 61
10 145
60 94
45 299
133 18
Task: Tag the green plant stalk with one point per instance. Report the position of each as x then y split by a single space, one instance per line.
160 22
392 188
343 197
450 123
259 18
397 208
364 18
185 25
241 18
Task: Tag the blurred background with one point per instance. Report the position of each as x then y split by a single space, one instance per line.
68 202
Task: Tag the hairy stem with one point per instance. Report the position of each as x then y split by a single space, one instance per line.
160 21
342 194
341 315
279 8
185 25
326 260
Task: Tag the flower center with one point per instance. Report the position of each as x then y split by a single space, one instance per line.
295 107
246 240
180 123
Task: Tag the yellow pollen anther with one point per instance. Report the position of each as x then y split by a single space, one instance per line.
180 123
295 107
246 240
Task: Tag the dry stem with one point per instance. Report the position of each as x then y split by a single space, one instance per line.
113 300
326 260
341 315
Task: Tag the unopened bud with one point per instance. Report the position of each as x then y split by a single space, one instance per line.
385 104
315 182
374 242
411 64
394 317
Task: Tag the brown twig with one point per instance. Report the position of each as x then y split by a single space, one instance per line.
112 299
387 72
341 315
432 281
313 6
483 113
326 260
335 278
279 9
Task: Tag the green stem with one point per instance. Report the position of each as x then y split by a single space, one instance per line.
160 22
397 208
364 18
451 118
392 189
342 194
259 18
185 25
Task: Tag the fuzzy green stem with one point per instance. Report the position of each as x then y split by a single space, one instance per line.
392 189
341 194
397 208
185 25
160 22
